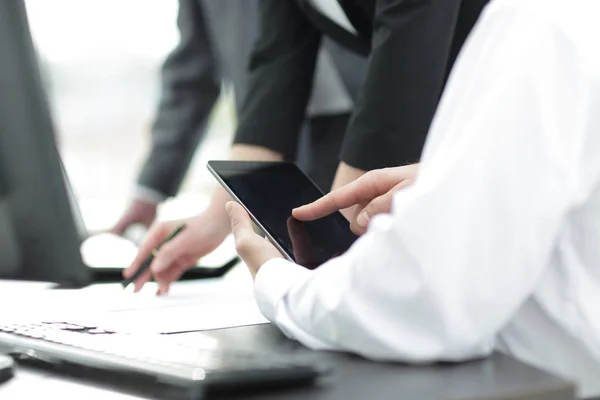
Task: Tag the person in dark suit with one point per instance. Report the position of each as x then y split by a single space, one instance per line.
410 45
190 87
215 45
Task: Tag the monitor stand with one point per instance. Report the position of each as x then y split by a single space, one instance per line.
9 251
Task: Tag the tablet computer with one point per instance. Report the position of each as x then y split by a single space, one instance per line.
269 191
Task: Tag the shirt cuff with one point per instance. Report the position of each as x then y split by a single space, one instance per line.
273 281
149 195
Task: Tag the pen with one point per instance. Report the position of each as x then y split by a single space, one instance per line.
148 261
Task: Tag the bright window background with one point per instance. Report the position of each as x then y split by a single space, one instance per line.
101 60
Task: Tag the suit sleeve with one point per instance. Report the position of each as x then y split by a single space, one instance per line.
411 47
281 73
190 88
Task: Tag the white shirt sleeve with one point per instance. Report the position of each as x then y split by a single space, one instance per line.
466 245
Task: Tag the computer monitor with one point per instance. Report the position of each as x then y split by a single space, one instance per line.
41 229
38 236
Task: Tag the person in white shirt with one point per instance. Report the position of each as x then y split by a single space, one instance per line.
496 244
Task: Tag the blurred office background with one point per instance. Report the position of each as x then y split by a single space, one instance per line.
101 61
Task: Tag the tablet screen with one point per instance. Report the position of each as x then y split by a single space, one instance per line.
270 191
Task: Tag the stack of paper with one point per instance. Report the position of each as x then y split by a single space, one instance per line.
189 306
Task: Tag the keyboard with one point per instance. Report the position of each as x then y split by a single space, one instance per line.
149 359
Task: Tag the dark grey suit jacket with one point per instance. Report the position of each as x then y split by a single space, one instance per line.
217 37
190 86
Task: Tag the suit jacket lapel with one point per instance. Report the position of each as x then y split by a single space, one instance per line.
360 16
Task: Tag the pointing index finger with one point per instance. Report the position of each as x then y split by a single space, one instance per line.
361 190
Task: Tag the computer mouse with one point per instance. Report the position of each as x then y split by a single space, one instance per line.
7 368
106 250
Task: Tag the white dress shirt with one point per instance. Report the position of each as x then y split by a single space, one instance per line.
329 95
332 10
497 244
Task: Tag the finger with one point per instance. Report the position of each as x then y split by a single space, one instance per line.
365 188
379 205
155 238
119 229
169 254
141 281
165 278
348 213
121 226
354 227
241 226
339 199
